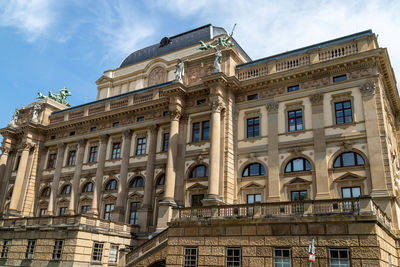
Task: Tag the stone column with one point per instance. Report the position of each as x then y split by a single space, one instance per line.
119 211
165 206
215 154
370 91
96 202
147 205
56 179
15 205
273 179
73 204
321 183
6 162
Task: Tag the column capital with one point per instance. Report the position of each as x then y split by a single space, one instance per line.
273 106
175 115
154 128
28 146
316 99
128 133
5 150
82 142
217 105
369 88
103 138
60 146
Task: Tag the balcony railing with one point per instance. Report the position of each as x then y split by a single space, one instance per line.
354 206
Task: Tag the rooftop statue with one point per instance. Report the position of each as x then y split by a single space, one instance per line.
221 43
61 97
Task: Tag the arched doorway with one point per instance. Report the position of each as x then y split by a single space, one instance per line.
158 264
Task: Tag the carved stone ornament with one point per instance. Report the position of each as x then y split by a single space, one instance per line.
35 112
316 99
368 88
82 142
154 129
128 134
5 150
175 114
217 106
296 151
28 146
103 138
14 120
347 145
273 106
156 76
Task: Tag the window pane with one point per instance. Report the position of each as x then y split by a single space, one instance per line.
346 192
298 165
360 160
254 169
356 192
250 199
258 198
348 159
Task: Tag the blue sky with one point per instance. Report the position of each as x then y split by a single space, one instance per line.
48 44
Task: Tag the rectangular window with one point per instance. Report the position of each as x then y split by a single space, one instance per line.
30 249
201 101
293 88
133 215
52 161
190 257
97 252
71 133
196 200
71 158
93 129
108 208
63 210
339 78
165 113
253 127
116 150
139 119
233 257
17 163
200 131
113 256
141 146
5 249
299 195
252 97
351 192
196 132
165 142
93 154
343 112
339 257
295 120
42 212
205 131
85 209
116 124
253 198
58 248
282 257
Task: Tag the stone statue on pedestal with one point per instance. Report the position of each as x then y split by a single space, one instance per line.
13 122
180 71
35 113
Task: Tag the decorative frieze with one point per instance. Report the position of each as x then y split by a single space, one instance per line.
369 88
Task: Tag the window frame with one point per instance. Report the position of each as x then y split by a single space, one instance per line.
134 182
107 215
343 109
57 249
30 249
293 88
51 160
233 261
85 188
46 189
165 142
62 211
188 260
71 161
341 161
194 169
66 189
253 123
116 150
296 125
339 78
261 168
275 257
254 195
97 252
109 185
339 249
93 150
85 208
134 207
5 248
116 253
201 129
292 166
141 143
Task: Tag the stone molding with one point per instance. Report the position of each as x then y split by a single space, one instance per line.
316 99
273 107
369 88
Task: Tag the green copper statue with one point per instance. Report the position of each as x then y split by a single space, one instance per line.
222 42
61 97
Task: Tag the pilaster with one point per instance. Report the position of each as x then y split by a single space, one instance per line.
273 181
73 204
56 179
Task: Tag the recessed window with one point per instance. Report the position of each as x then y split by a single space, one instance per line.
253 198
200 131
89 187
57 250
253 169
298 165
93 154
134 214
139 119
85 209
351 192
137 182
116 150
141 146
165 142
339 257
52 161
348 159
233 257
108 209
30 249
190 257
197 200
295 120
161 180
63 210
199 171
66 190
343 112
339 78
282 257
72 133
45 192
165 113
113 256
201 101
93 129
253 127
252 97
17 163
115 124
71 158
42 212
97 253
5 249
298 195
112 185
52 137
293 88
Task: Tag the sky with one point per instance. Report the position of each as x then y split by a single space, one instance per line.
48 44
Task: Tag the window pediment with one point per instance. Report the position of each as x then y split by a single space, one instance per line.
252 185
349 177
197 186
298 181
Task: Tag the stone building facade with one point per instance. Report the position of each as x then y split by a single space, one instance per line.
238 167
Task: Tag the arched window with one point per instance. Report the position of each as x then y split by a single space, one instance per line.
199 171
45 192
298 165
161 180
66 190
112 185
348 159
137 182
89 187
253 169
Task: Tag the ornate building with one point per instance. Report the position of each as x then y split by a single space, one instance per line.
193 157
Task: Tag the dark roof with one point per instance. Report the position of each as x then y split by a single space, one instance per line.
186 39
307 48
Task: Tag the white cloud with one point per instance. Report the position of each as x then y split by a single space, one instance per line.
32 18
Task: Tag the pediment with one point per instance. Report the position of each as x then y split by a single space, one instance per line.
298 181
85 199
109 197
349 177
103 79
252 185
136 194
197 186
